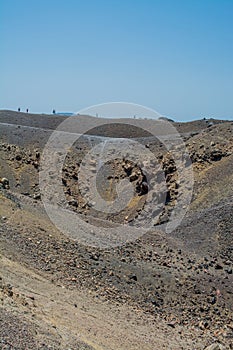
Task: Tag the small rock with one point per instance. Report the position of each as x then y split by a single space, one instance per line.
36 196
215 346
213 300
171 324
218 267
203 325
94 257
133 176
18 157
73 202
4 182
133 277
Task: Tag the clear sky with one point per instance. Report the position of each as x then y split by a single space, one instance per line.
175 56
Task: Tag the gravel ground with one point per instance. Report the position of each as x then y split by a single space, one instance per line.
182 282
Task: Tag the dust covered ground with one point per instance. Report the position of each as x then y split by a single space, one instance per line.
160 291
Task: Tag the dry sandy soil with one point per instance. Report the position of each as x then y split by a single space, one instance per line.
160 291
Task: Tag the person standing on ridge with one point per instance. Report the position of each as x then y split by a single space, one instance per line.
18 109
27 110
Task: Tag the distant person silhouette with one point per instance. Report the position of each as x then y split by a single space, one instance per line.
54 112
18 109
27 110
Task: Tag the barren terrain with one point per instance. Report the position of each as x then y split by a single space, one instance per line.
159 291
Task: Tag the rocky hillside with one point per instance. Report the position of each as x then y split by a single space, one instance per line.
178 285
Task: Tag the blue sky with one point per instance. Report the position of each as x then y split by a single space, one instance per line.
173 56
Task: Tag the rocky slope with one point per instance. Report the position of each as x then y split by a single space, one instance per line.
180 284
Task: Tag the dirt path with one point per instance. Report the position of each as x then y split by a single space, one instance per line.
75 315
